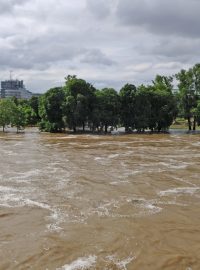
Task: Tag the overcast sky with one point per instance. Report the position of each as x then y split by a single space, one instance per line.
106 42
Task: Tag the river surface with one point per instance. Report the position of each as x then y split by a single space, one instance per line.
70 202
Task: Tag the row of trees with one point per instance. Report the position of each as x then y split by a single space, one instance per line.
79 104
19 113
188 97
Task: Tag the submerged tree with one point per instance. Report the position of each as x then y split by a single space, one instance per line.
7 110
51 110
79 103
18 117
127 111
109 106
189 91
155 107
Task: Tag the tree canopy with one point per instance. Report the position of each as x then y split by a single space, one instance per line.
79 104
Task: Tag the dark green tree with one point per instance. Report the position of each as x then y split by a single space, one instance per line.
155 108
7 110
34 104
80 100
51 110
127 111
142 109
189 91
18 118
109 106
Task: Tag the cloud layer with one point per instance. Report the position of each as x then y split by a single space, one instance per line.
107 42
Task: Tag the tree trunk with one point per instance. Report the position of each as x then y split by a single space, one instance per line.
194 123
126 129
74 128
189 123
106 128
83 126
3 128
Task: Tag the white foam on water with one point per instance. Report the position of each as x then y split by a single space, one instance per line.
82 263
98 158
35 203
196 144
150 208
56 216
179 191
25 175
113 156
112 208
104 208
68 137
128 153
10 153
132 172
73 143
12 200
174 165
121 264
174 202
4 189
114 183
182 180
120 182
18 144
85 145
107 143
54 228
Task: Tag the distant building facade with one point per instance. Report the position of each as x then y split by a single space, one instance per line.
14 88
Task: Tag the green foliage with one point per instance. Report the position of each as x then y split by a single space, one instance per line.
34 105
163 83
11 114
79 103
127 111
51 110
151 107
189 91
142 108
109 105
7 108
18 118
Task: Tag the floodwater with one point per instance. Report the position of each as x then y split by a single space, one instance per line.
99 202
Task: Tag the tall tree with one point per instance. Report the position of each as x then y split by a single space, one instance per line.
51 110
163 83
189 89
109 105
34 104
127 113
80 100
155 108
18 117
7 110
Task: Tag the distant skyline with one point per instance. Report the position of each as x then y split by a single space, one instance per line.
106 42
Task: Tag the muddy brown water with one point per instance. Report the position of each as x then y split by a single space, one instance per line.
99 202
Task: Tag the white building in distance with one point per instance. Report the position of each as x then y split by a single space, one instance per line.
14 88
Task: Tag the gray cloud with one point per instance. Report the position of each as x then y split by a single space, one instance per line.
107 42
176 17
7 6
100 9
96 57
